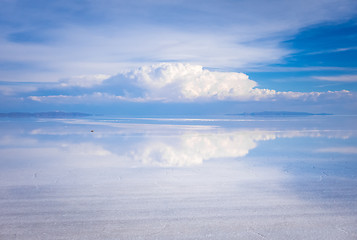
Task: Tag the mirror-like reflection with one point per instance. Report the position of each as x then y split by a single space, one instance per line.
171 179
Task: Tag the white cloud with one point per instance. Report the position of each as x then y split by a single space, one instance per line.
332 50
178 82
340 78
342 150
223 34
149 44
182 82
8 90
85 81
68 99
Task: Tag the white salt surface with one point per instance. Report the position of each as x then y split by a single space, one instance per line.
138 180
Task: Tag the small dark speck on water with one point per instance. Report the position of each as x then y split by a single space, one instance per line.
91 130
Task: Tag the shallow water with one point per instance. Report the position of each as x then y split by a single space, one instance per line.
179 178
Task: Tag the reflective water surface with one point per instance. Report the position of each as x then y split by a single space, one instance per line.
126 178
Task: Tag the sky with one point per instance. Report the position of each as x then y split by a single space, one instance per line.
154 57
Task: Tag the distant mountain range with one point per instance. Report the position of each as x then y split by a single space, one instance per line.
44 115
279 113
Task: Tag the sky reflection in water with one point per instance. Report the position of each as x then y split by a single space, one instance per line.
179 179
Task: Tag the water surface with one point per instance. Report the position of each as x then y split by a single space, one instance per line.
179 178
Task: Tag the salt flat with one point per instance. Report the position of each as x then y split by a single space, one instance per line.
169 178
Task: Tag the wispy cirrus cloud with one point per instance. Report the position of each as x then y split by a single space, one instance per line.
337 50
85 81
341 150
61 39
339 78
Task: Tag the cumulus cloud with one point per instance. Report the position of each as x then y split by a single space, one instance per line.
178 81
174 82
185 82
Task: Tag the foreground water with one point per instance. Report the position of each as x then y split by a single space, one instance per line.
116 178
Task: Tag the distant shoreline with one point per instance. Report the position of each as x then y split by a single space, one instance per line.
279 113
60 114
44 115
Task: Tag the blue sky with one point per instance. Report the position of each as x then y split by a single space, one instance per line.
178 57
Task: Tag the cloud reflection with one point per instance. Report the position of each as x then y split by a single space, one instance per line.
192 149
117 144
